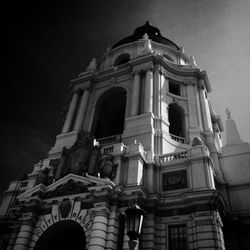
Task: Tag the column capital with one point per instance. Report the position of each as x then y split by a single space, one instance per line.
188 83
101 208
136 71
76 91
149 67
29 218
157 67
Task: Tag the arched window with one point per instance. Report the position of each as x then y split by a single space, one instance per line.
110 113
124 58
176 120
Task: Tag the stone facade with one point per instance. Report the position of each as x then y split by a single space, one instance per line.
139 127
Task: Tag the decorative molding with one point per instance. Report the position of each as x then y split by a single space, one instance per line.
174 180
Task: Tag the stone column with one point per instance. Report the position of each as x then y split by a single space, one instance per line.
112 229
81 110
70 114
98 236
157 91
206 116
193 118
135 94
25 232
148 101
163 101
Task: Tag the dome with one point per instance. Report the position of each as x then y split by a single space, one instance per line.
153 33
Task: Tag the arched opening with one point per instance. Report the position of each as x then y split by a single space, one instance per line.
176 120
62 235
124 58
110 113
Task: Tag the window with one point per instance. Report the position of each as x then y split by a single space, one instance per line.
176 118
122 59
174 88
110 113
177 235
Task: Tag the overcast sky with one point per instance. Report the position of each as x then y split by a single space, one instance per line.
47 46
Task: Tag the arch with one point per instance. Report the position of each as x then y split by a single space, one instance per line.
176 118
62 235
124 58
110 113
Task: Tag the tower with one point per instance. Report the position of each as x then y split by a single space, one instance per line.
139 128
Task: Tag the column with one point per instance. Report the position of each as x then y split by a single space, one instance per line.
157 91
148 101
81 110
70 114
97 239
112 229
207 123
193 118
164 105
25 233
135 94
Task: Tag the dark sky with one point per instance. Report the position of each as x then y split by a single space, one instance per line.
44 47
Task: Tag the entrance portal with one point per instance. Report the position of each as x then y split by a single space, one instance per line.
62 235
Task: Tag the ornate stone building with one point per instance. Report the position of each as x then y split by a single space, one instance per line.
139 128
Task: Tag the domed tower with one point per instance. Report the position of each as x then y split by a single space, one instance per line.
139 127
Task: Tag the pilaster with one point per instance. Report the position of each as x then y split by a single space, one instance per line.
135 93
148 101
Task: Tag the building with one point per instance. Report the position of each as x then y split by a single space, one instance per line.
139 128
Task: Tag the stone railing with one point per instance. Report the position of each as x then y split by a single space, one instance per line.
178 138
110 140
172 156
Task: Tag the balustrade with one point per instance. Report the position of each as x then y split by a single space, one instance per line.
178 138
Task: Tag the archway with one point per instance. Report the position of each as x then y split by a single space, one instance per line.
110 113
62 235
177 120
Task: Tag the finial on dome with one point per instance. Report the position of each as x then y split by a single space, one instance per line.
147 45
145 36
228 113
